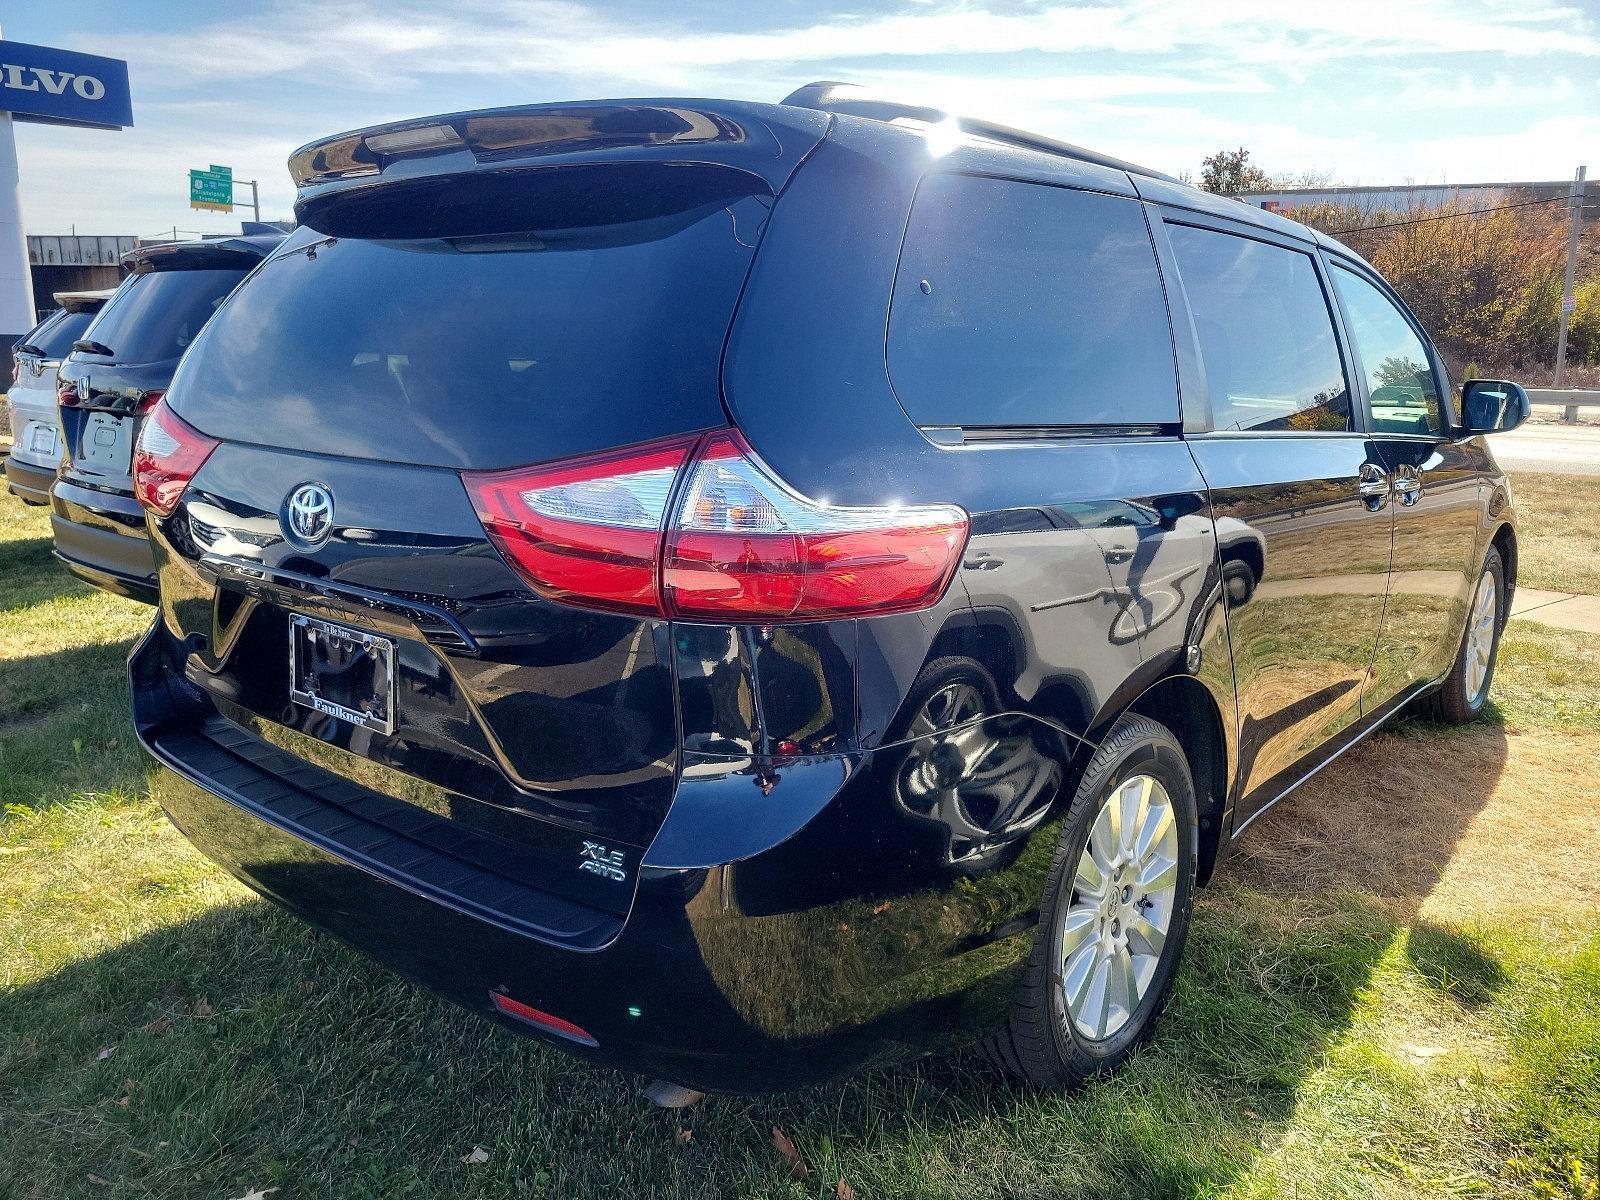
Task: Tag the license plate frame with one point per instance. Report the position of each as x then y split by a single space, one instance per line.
368 658
43 439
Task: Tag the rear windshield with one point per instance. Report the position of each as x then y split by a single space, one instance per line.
155 315
477 335
55 337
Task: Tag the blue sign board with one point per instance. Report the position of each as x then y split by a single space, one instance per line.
62 87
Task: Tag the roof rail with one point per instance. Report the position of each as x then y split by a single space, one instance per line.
859 101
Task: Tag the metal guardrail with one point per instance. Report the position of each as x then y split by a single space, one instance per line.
1571 399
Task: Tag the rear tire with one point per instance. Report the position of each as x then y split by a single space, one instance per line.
1465 690
1099 934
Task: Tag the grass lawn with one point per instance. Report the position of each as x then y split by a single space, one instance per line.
1394 990
1559 520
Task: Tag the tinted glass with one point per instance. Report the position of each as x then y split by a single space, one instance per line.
154 316
482 350
1024 304
56 340
1400 383
1266 335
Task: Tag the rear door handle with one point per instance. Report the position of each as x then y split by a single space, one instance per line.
1374 486
1407 484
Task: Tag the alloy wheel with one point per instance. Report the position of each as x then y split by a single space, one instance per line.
1114 932
1480 636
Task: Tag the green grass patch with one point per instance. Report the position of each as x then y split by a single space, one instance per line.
1558 528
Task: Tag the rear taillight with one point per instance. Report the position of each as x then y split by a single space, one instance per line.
67 395
169 454
701 529
586 530
148 401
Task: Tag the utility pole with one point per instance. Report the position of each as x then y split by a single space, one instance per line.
1568 300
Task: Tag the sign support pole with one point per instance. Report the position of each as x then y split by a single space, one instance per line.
1567 300
16 281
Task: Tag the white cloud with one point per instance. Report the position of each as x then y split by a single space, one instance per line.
408 42
1373 89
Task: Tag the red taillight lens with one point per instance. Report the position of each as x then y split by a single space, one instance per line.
67 395
740 546
586 530
148 401
169 454
745 547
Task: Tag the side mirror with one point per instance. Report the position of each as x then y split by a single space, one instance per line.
1492 406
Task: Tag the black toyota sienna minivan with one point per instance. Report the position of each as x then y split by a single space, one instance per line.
746 591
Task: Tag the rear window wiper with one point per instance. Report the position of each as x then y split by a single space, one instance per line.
28 348
89 346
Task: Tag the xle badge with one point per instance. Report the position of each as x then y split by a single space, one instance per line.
603 861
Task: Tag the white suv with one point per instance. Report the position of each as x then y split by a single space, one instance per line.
35 432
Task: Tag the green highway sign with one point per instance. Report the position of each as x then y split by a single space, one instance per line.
212 189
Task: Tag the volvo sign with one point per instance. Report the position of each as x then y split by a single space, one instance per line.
51 87
62 87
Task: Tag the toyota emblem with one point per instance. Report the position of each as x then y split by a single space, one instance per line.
308 514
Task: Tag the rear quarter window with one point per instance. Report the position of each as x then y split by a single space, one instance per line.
1023 304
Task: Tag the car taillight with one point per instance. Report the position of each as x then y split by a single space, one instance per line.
737 545
169 454
147 402
67 395
585 530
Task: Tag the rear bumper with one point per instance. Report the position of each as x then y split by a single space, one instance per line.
29 483
797 962
100 537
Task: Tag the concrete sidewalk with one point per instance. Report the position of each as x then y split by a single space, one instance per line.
1559 609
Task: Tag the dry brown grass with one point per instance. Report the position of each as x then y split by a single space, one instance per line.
1558 526
1476 822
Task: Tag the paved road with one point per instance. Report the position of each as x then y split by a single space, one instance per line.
1556 449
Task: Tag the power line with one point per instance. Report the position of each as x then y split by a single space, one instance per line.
1476 212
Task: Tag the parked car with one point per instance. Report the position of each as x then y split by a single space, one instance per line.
743 591
35 435
117 370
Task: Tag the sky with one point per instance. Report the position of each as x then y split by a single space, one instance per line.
1367 91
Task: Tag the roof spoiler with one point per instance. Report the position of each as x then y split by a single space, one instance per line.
856 100
468 140
193 256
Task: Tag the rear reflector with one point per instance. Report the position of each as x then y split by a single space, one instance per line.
700 528
542 1020
170 452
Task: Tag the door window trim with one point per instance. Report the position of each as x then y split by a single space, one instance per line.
1441 380
1163 215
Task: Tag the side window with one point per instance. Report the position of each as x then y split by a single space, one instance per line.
1027 304
1266 335
1400 382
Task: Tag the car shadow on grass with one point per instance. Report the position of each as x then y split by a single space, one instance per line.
252 1051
